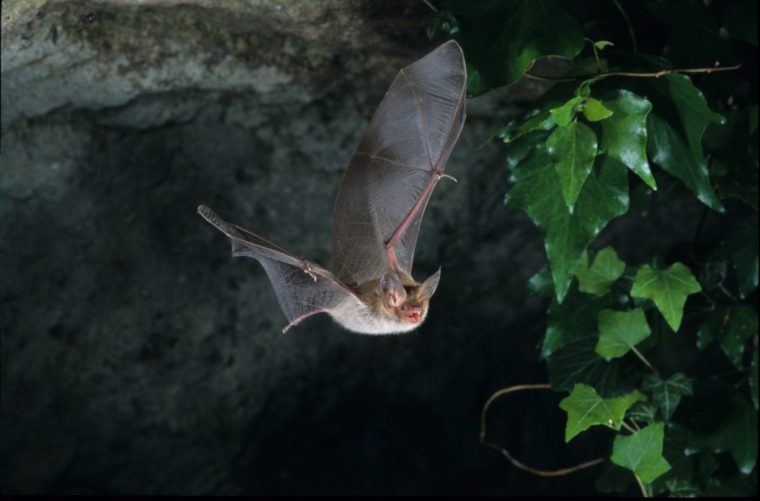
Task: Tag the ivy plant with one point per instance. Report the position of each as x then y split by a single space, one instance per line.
654 107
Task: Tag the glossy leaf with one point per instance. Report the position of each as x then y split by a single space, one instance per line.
594 110
668 150
536 190
603 271
575 318
641 452
668 288
508 36
577 362
625 132
540 121
667 393
572 148
585 408
564 114
541 283
741 246
621 331
732 327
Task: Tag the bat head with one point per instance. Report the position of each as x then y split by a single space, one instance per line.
414 307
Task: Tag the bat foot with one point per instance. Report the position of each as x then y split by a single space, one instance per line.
446 176
307 269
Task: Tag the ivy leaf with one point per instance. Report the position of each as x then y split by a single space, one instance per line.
585 408
577 362
613 479
604 270
644 412
741 21
541 283
621 331
641 452
601 44
721 420
594 110
625 133
504 38
667 288
573 319
669 151
540 121
732 327
536 190
667 393
564 114
741 246
572 148
441 22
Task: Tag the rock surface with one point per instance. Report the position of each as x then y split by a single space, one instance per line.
139 358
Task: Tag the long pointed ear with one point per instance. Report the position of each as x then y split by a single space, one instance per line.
394 293
428 287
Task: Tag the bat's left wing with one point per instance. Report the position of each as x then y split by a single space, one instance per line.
397 165
303 288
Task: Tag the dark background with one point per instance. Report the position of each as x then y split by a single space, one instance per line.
139 358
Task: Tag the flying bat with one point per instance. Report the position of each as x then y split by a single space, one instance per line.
378 209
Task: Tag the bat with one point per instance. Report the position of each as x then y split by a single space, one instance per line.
378 209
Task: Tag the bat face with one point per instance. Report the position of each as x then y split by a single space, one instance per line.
378 209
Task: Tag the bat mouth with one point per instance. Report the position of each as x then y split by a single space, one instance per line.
410 314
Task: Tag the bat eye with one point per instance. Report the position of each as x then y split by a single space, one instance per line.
403 307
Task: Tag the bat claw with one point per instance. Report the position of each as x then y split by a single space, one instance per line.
446 176
307 269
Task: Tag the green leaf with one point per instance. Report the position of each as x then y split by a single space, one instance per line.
667 393
585 408
625 133
564 114
641 452
594 110
572 148
669 151
502 39
441 21
577 362
667 288
604 270
540 121
536 190
741 246
621 331
753 379
721 420
732 327
573 319
601 44
613 479
645 412
541 283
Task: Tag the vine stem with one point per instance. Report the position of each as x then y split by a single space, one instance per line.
638 74
643 359
505 452
628 24
432 7
643 488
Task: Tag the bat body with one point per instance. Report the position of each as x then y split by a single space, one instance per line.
378 209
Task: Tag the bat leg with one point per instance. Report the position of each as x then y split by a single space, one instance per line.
298 320
309 271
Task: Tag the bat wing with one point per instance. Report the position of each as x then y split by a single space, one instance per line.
303 288
399 160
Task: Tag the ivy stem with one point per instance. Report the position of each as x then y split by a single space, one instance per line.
432 7
644 491
627 427
643 359
638 74
596 55
628 24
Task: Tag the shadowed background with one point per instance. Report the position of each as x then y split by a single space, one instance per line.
139 358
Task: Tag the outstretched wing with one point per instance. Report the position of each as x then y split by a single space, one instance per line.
303 288
399 160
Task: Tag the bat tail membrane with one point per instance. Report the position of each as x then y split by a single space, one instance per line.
303 288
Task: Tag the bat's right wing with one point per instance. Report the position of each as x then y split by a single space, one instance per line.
303 288
399 160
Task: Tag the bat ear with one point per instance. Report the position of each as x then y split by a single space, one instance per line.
428 287
393 291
